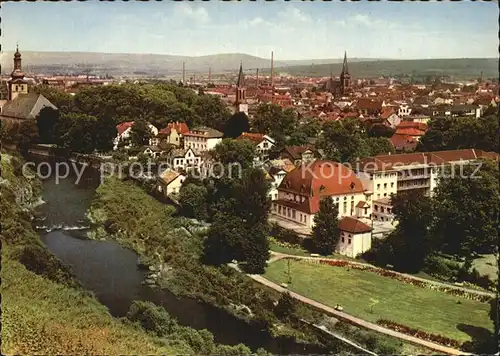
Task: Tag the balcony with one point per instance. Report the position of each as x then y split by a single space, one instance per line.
424 185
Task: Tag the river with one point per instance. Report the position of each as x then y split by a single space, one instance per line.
110 271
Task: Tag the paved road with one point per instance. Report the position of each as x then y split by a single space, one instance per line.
275 256
357 321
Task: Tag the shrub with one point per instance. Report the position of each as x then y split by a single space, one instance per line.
285 235
286 306
440 267
151 317
41 261
419 333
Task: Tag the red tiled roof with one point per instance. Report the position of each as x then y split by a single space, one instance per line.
386 112
410 124
254 137
121 128
296 151
403 142
369 104
180 127
353 225
410 132
389 162
319 179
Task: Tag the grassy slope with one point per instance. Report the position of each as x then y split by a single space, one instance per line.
45 317
41 316
416 307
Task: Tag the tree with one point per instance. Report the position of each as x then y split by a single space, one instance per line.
151 317
223 243
410 241
27 133
379 146
466 209
212 111
343 141
47 121
236 125
326 231
451 133
193 200
286 306
140 133
298 138
230 151
64 102
380 130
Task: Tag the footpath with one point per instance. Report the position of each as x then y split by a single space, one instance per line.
357 321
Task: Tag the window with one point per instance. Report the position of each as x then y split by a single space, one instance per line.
343 239
349 241
345 207
293 214
385 185
385 194
378 186
392 185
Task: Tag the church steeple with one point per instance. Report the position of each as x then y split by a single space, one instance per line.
241 77
345 77
240 102
345 70
17 84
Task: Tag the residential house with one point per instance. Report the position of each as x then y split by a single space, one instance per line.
123 134
202 139
465 110
412 132
170 182
172 134
403 143
355 237
300 192
277 175
263 143
299 154
184 159
368 107
389 117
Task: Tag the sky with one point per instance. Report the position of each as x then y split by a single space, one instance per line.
292 29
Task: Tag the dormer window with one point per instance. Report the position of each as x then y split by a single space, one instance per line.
352 185
322 188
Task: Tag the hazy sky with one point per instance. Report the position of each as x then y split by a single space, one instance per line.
294 29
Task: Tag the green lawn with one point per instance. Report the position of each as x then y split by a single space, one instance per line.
413 306
486 265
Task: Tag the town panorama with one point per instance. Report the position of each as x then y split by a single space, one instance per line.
249 178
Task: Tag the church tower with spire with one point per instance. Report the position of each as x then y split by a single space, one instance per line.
241 97
345 77
17 84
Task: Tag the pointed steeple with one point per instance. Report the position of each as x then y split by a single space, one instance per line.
241 77
344 65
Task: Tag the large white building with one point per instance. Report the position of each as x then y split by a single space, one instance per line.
125 128
202 139
300 192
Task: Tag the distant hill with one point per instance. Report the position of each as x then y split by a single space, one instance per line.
119 64
458 68
151 64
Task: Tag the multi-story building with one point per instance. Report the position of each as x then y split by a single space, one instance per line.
202 139
391 174
300 192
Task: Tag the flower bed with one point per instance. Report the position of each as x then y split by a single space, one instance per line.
439 339
405 279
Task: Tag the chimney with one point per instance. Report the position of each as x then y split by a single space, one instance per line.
272 72
183 72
